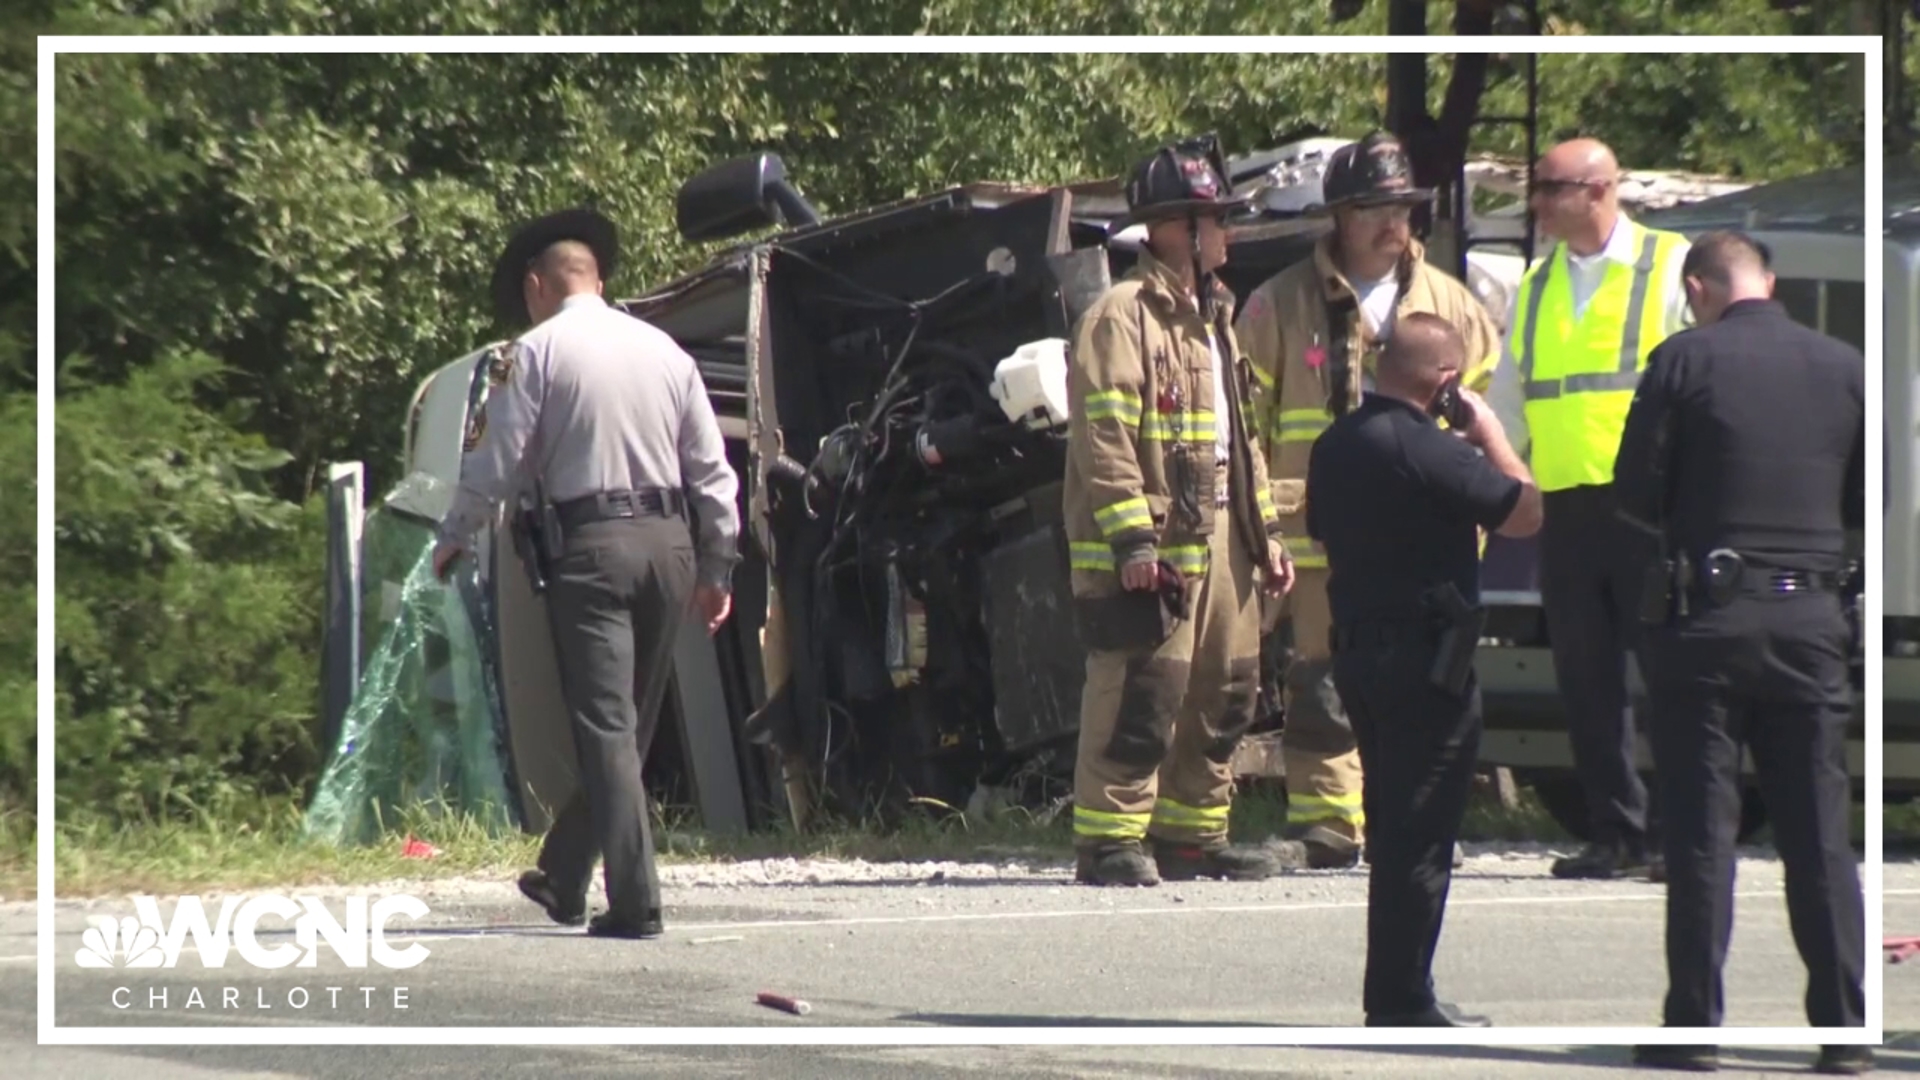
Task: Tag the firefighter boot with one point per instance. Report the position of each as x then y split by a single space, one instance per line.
1120 862
1227 862
1327 849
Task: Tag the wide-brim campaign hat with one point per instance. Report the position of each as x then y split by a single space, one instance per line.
581 223
1372 172
1180 178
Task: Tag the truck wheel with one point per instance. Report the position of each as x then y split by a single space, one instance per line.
1566 803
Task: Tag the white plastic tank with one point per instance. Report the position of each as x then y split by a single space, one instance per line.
1031 385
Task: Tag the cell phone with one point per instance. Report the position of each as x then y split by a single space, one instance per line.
1452 406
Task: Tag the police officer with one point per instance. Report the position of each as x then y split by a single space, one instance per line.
1398 504
1585 319
611 418
1743 460
1170 528
1312 332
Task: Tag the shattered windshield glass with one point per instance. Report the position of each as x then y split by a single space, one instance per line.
422 733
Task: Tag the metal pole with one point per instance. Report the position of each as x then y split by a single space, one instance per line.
340 660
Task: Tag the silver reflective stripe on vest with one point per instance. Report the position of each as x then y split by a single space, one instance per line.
1627 377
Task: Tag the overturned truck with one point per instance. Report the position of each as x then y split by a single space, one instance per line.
891 384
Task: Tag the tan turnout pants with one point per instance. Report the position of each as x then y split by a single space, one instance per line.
1158 727
1317 747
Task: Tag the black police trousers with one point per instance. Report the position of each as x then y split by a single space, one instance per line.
1769 672
616 599
1418 748
1589 590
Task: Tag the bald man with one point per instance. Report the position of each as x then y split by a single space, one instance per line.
609 417
1586 317
1398 506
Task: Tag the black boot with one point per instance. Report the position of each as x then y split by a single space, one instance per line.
1844 1060
1328 850
1118 862
1680 1058
1602 862
1179 861
606 925
1439 1014
567 911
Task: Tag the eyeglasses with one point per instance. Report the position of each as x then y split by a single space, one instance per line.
1543 185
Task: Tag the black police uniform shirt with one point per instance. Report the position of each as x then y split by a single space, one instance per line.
1397 503
1749 433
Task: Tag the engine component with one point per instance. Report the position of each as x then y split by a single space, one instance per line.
836 456
906 630
1031 385
942 442
785 468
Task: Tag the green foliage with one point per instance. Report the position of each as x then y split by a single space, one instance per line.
19 627
187 603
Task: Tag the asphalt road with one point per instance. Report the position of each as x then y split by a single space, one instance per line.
974 947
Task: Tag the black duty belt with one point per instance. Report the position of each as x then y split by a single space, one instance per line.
1725 574
618 505
1783 581
1379 633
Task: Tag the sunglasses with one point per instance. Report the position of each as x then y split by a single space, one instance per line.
1546 186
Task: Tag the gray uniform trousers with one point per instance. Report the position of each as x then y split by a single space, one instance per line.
617 599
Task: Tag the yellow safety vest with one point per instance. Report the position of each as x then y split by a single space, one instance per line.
1579 374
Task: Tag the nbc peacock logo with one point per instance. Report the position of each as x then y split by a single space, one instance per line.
125 942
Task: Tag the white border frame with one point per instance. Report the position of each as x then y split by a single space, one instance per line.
338 1035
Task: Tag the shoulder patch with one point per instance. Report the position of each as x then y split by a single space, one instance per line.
500 364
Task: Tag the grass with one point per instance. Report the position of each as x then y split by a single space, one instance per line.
93 857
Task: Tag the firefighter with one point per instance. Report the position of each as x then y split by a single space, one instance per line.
1313 332
1585 319
1171 532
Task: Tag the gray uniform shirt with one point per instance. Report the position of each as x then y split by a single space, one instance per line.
596 400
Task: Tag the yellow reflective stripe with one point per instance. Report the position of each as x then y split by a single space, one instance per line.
1094 555
1195 426
1263 498
1262 376
1113 404
1124 515
1109 824
1300 425
1089 555
1168 812
1325 808
1186 558
1480 376
1310 561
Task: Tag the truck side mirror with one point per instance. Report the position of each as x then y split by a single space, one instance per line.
738 196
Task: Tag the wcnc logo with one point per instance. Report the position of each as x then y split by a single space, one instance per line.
146 940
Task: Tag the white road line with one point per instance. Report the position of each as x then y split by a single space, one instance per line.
1183 909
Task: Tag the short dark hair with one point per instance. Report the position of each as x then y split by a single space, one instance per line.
1715 256
1416 335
